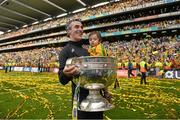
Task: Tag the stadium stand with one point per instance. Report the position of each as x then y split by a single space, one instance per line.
142 28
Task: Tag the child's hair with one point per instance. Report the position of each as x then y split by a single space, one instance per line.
96 33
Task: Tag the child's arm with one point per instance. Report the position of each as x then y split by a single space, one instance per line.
92 51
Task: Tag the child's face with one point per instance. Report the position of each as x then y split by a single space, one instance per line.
94 40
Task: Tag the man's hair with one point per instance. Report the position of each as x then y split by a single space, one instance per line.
68 24
96 33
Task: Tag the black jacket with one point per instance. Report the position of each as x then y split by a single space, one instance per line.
72 49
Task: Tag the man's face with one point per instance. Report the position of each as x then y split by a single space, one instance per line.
76 31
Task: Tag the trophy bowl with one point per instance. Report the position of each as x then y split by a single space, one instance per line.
96 72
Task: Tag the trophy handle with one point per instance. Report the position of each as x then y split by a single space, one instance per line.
69 61
74 61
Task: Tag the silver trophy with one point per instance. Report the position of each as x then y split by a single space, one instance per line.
95 73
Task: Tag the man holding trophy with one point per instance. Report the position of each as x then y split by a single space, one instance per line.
66 73
88 74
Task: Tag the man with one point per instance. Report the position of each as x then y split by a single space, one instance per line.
143 70
130 68
6 66
66 73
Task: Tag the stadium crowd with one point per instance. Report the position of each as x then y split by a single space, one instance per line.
111 8
155 50
44 57
161 25
159 52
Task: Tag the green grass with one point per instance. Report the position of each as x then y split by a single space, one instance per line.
26 95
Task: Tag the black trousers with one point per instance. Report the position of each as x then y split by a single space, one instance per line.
90 115
143 77
116 84
6 69
130 73
10 67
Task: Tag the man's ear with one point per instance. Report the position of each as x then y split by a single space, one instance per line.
68 32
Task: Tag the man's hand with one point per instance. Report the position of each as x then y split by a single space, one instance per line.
71 71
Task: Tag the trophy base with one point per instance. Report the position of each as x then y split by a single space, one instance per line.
94 101
95 105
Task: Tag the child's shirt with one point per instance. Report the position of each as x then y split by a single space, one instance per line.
98 50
